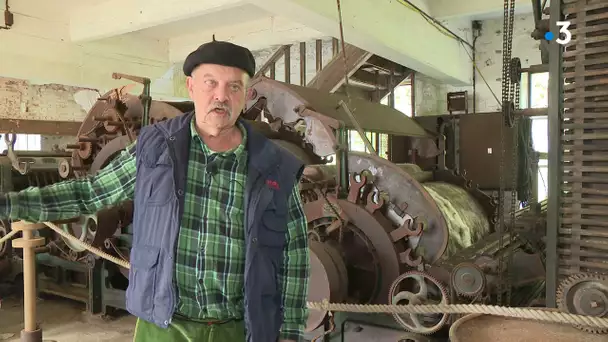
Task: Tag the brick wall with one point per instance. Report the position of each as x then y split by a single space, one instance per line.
20 99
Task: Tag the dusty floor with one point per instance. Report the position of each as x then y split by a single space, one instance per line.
64 321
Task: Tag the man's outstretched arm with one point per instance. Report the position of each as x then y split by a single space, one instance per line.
72 198
295 271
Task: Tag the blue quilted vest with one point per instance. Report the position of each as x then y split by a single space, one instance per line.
162 159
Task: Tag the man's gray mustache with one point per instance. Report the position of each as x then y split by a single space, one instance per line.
222 107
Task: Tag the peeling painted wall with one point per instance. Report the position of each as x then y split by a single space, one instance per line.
431 95
21 99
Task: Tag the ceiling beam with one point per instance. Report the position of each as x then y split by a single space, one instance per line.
43 127
255 34
474 9
115 17
390 29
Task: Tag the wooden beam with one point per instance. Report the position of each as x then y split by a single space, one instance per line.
522 112
63 128
272 60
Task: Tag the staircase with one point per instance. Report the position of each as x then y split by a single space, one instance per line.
370 77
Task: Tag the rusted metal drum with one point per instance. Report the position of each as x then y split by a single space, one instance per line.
484 328
328 280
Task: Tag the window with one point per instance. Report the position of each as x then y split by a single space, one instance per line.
403 103
355 143
24 142
403 99
534 94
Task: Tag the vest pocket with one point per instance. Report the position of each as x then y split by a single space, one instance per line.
142 280
273 232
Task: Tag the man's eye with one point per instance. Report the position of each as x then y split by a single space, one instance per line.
235 88
210 82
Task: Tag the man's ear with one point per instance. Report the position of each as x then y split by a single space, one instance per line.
189 85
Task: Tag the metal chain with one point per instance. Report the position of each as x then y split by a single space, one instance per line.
505 84
514 152
508 89
514 187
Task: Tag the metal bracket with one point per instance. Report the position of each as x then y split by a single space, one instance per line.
146 99
21 167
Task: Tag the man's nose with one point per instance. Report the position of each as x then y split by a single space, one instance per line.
221 94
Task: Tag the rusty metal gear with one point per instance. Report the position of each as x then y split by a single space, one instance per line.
508 111
289 136
413 287
375 258
515 70
468 279
585 294
117 115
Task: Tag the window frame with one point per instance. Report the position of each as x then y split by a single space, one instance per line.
37 144
526 96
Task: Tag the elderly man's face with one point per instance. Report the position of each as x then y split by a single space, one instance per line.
219 94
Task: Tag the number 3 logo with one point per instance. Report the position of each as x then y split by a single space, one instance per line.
564 25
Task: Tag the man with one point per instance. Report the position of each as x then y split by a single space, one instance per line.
219 245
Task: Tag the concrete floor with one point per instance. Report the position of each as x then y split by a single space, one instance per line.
64 321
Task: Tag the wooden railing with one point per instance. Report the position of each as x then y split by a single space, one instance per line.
269 68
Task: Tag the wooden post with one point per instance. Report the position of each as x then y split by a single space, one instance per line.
31 331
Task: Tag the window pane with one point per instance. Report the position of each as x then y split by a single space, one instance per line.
543 173
540 134
383 150
524 101
384 100
24 142
403 99
539 84
356 143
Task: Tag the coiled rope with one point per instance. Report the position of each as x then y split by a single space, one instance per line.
524 313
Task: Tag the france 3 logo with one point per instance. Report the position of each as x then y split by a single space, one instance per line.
565 35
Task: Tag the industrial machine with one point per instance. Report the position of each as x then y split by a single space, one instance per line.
412 229
379 232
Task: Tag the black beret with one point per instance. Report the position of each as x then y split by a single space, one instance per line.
221 53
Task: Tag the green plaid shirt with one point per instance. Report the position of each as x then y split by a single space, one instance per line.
210 258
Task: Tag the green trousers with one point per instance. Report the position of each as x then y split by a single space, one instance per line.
188 331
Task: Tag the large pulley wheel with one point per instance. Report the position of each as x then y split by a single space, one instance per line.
468 279
84 231
419 288
585 294
328 280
